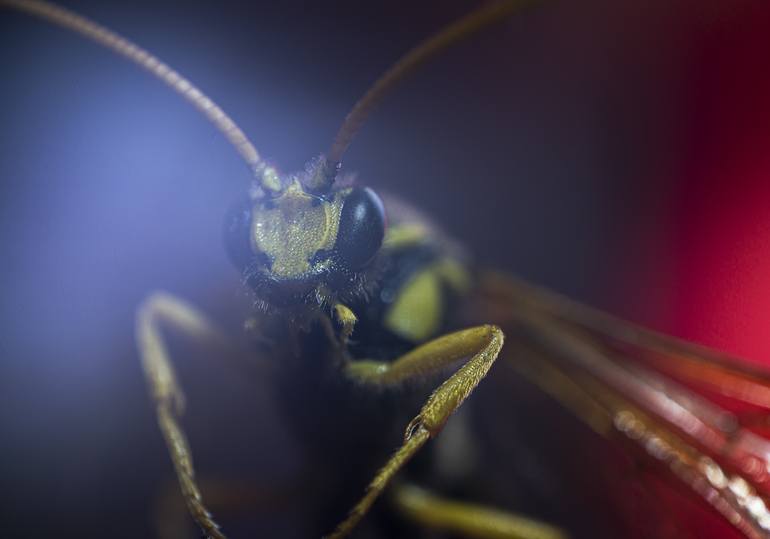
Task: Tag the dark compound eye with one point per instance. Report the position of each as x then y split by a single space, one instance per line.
238 234
362 227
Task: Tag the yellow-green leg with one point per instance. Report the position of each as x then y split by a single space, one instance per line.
346 319
481 344
236 498
466 519
158 310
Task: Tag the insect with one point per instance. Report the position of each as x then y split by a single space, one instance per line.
557 330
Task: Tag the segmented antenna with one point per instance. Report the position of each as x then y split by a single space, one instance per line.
266 176
326 172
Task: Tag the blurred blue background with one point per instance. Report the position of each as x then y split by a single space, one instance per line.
543 145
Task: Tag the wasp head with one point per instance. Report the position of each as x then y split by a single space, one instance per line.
297 248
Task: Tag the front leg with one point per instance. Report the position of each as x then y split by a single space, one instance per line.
164 309
347 320
481 344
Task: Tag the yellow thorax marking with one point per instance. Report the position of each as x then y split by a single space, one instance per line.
295 229
403 235
417 313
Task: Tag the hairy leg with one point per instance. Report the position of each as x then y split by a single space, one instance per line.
160 310
481 344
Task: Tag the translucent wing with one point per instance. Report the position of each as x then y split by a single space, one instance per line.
700 415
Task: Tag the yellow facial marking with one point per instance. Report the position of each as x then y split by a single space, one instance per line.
295 229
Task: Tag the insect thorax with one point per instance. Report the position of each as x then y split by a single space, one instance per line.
421 282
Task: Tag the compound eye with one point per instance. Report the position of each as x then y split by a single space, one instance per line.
238 234
362 227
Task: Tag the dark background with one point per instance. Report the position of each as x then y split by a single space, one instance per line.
550 145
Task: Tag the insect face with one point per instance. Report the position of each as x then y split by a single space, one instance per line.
299 248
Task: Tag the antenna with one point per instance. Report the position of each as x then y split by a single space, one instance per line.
327 169
266 176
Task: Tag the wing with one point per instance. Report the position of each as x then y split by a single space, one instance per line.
701 416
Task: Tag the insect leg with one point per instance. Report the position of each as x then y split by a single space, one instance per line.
347 319
481 344
159 309
466 519
234 498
